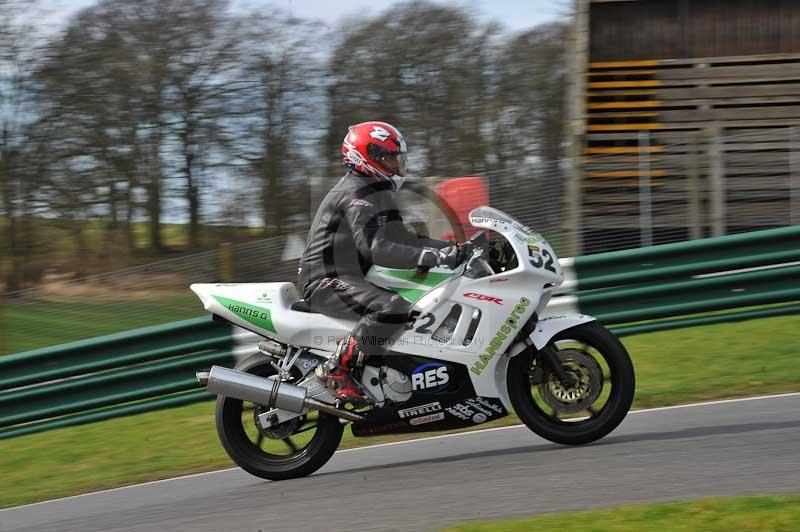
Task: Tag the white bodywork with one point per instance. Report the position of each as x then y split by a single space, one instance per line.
274 300
504 300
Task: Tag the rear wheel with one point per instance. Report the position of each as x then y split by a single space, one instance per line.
591 408
295 448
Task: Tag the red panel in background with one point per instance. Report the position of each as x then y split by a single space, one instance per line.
463 194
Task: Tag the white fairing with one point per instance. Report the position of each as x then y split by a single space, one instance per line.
469 316
265 309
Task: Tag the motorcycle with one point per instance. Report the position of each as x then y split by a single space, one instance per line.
475 347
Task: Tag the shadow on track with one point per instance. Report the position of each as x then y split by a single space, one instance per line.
679 434
700 432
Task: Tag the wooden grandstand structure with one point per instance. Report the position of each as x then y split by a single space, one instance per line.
696 100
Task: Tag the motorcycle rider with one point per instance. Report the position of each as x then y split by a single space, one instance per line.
357 225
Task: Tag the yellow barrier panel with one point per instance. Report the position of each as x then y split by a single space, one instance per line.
624 127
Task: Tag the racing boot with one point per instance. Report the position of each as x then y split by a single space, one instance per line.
336 372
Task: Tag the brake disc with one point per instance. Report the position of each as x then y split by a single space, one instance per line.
588 376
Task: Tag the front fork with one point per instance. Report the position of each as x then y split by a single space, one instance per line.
548 356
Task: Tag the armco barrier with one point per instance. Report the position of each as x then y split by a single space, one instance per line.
685 259
679 298
676 280
108 376
154 368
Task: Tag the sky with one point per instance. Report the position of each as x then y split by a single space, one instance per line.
514 14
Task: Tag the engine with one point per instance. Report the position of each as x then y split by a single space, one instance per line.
385 383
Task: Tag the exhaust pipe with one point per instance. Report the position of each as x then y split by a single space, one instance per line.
332 410
271 393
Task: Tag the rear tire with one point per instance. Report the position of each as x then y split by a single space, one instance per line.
543 419
250 456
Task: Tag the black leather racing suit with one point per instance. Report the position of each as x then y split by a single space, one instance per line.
357 225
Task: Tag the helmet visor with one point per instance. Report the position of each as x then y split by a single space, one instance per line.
393 161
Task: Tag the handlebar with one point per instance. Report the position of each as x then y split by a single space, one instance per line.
466 250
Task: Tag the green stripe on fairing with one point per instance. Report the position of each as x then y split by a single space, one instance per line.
431 279
411 295
262 317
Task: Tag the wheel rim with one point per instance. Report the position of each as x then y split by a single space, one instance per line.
594 394
289 441
587 375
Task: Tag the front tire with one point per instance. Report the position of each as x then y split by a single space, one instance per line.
595 406
269 455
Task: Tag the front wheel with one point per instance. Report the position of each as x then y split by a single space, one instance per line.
295 448
593 406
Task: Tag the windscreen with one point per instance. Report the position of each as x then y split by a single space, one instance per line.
491 213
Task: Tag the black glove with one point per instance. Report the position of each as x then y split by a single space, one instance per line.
450 257
465 250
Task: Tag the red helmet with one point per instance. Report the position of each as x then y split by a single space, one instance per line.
375 149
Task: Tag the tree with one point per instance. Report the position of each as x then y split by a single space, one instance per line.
527 128
424 67
18 183
137 84
279 112
145 107
204 75
530 96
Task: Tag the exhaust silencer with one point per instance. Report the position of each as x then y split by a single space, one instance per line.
271 393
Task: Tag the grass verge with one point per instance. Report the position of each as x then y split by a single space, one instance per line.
48 323
763 513
704 363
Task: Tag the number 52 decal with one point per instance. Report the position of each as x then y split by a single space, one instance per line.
425 328
546 263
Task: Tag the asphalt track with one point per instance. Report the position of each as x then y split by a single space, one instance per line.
715 449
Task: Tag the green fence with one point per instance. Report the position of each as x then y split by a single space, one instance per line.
153 368
700 276
121 374
683 259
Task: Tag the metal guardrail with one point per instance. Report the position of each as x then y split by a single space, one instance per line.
153 368
131 372
699 276
684 259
